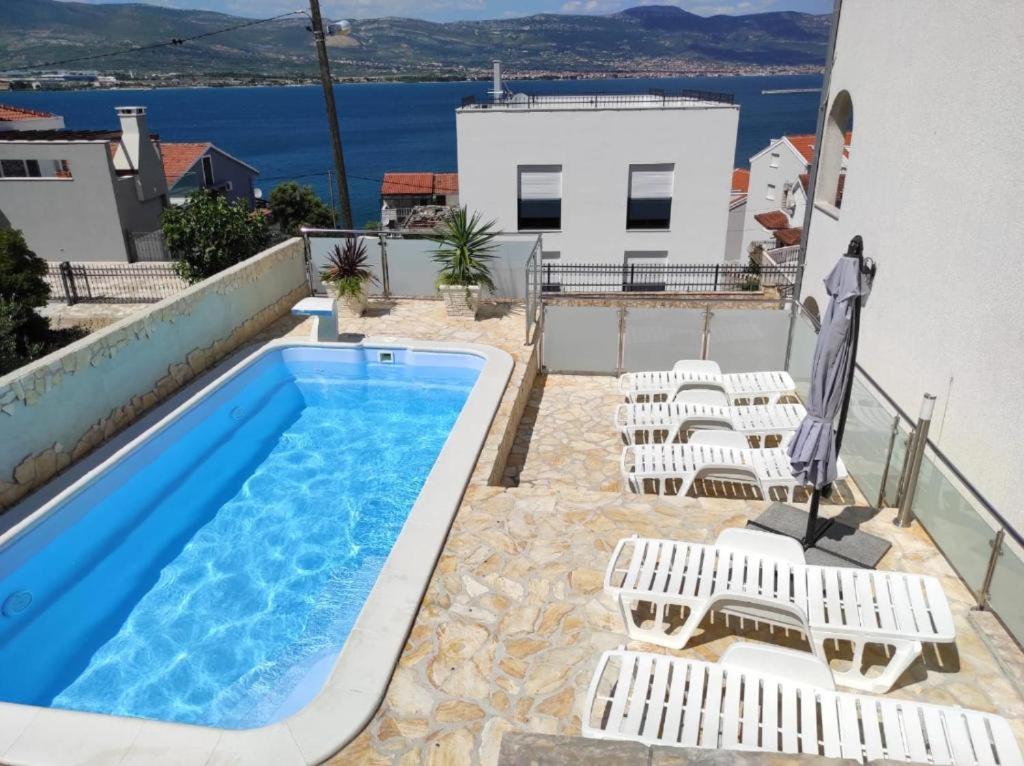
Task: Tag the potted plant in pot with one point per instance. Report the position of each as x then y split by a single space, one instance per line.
346 275
465 246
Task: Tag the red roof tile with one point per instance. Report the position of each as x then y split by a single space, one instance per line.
740 180
805 144
419 183
789 237
9 113
178 158
773 219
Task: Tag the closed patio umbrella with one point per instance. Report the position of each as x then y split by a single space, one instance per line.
814 450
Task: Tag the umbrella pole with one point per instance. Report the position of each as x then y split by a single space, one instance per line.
813 533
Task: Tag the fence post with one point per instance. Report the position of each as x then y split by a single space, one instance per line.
67 279
905 514
385 271
621 356
716 279
986 585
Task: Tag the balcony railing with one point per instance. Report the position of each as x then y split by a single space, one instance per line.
583 278
652 98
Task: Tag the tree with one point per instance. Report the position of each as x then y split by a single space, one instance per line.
292 207
207 234
24 334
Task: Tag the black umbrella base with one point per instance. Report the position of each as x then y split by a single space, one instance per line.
836 543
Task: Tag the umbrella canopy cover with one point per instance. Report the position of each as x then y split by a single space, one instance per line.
812 451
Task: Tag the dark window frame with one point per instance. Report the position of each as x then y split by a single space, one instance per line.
539 214
207 170
657 216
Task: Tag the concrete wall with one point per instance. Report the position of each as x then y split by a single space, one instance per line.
595 149
788 168
937 108
734 251
60 407
72 219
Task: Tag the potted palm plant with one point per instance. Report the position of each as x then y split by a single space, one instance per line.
346 275
465 246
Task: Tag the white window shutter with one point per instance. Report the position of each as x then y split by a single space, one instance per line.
539 183
651 181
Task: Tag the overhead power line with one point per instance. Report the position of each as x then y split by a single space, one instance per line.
173 42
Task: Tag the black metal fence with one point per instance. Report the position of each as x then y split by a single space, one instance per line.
112 282
654 96
582 278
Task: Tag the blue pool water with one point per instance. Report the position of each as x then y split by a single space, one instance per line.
212 575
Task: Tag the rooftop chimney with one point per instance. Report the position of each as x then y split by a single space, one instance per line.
497 89
137 154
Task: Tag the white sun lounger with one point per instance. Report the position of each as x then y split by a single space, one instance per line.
669 419
766 699
687 374
763 577
715 455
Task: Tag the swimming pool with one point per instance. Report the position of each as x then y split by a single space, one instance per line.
212 572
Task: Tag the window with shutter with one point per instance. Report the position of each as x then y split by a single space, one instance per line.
540 197
650 196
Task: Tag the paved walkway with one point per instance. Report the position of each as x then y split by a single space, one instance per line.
514 617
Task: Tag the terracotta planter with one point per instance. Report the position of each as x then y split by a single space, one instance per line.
461 301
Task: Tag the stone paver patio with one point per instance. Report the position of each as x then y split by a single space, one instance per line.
514 618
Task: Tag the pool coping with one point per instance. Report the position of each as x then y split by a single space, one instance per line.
362 671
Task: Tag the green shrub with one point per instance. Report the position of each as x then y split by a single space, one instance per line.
24 335
347 268
293 206
207 234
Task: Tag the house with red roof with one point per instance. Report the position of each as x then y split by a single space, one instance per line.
775 192
411 199
203 165
18 118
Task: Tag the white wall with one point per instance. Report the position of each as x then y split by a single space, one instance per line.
595 149
933 189
65 219
788 168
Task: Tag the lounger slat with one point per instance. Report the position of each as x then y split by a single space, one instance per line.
770 715
1003 738
831 736
871 725
935 733
674 706
638 698
895 741
621 693
903 609
938 608
649 565
922 615
883 600
790 721
712 707
751 712
914 731
635 561
681 555
661 669
731 711
980 739
815 593
808 721
959 737
850 597
663 567
833 603
694 716
849 728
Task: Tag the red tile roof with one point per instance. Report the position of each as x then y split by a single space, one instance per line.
773 219
805 144
789 237
178 158
9 113
395 184
740 180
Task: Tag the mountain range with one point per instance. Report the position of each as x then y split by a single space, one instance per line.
47 33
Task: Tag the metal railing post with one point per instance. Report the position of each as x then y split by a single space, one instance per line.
986 585
385 270
621 357
308 256
67 279
888 459
705 341
906 512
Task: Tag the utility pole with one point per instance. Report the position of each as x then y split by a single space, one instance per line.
332 114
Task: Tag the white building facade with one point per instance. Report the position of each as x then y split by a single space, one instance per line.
931 189
607 179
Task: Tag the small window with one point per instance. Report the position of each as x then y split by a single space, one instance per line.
650 196
770 194
207 171
35 169
775 160
32 166
13 169
540 197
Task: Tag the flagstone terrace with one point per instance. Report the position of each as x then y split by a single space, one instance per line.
514 618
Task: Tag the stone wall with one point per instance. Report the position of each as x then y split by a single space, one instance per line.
61 407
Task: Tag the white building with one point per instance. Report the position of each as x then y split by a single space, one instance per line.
608 179
932 189
83 195
18 118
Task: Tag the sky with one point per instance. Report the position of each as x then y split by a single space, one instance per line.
450 10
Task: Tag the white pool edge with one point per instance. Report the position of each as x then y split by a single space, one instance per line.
355 688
